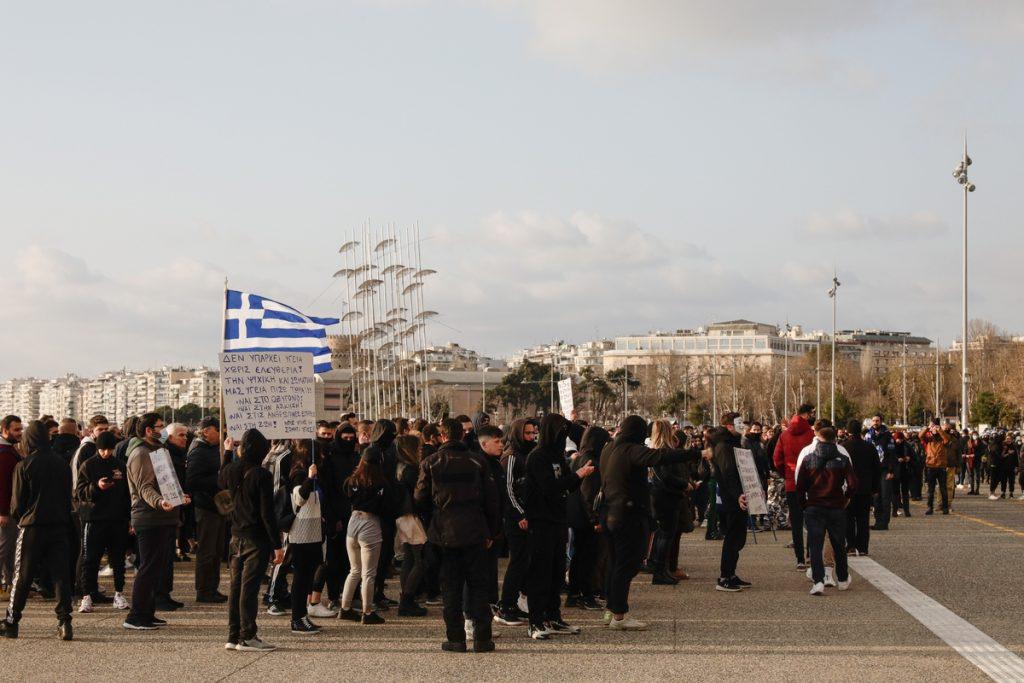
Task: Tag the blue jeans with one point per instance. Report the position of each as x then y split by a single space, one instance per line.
818 520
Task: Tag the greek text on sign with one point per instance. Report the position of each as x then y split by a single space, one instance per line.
166 477
565 396
272 391
756 504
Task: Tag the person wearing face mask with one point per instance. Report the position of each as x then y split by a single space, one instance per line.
41 506
724 439
549 480
520 441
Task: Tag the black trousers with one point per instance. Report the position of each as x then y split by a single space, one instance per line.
306 557
734 531
666 518
547 571
46 548
248 562
334 567
491 580
883 503
155 545
518 565
104 536
937 476
796 523
832 520
583 565
627 542
974 478
905 482
412 570
387 555
431 583
211 530
166 581
465 568
278 589
858 529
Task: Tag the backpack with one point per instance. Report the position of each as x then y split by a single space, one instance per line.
283 509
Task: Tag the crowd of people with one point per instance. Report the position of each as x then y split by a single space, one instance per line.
322 525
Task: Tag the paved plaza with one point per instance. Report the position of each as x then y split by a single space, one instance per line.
966 562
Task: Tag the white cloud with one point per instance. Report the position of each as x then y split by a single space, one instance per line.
847 224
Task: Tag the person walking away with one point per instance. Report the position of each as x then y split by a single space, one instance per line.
202 472
624 507
791 442
724 440
11 430
254 538
104 505
465 508
868 471
935 441
826 481
155 521
305 537
41 507
521 439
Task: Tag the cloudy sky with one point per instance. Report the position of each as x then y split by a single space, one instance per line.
578 168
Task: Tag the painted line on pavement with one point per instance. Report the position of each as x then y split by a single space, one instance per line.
993 659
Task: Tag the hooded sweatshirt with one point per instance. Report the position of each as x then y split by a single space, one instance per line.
8 460
787 449
513 459
548 476
723 441
581 502
41 492
825 476
252 491
864 456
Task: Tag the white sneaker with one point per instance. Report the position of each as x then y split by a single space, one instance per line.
845 585
120 602
230 646
85 607
522 604
320 610
106 572
607 617
255 645
810 575
993 497
470 630
627 624
961 487
830 580
818 589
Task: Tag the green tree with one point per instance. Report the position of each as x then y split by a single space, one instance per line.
525 388
986 409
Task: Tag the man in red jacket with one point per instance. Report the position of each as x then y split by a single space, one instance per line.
10 435
796 436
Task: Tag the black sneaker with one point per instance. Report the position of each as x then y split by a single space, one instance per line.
508 618
8 630
449 646
538 632
727 586
572 601
591 603
663 579
168 605
433 600
561 628
737 581
411 609
520 614
64 631
137 625
213 599
372 618
304 627
157 621
383 602
349 615
487 646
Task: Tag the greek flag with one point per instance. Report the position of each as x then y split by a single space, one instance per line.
256 323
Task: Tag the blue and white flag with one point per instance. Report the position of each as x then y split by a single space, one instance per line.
255 323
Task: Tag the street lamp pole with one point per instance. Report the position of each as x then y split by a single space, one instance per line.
785 373
833 294
960 173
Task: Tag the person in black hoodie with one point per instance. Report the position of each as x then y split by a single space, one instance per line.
409 450
585 524
104 504
67 441
254 537
41 506
340 461
624 505
519 441
549 480
202 469
868 470
669 483
734 503
382 439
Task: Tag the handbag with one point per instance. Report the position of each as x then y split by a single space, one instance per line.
409 529
224 502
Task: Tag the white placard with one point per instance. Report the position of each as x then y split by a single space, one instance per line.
756 504
274 392
166 477
565 396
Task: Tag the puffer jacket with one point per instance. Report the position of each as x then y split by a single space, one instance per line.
792 440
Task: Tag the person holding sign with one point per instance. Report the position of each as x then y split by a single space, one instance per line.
155 518
734 502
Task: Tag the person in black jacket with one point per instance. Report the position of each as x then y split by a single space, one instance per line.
669 484
104 505
624 506
585 524
340 461
463 498
202 467
868 471
520 440
549 480
254 537
41 506
734 503
489 440
409 450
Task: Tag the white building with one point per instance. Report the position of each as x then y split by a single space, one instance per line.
63 397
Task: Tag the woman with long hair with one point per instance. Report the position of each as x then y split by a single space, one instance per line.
669 483
305 538
409 449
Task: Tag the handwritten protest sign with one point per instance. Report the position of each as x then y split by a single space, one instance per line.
565 396
274 392
166 477
756 504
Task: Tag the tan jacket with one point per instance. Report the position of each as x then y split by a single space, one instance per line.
935 447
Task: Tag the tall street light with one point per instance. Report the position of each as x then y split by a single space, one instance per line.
960 173
833 294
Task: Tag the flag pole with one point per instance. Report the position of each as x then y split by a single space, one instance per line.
220 394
